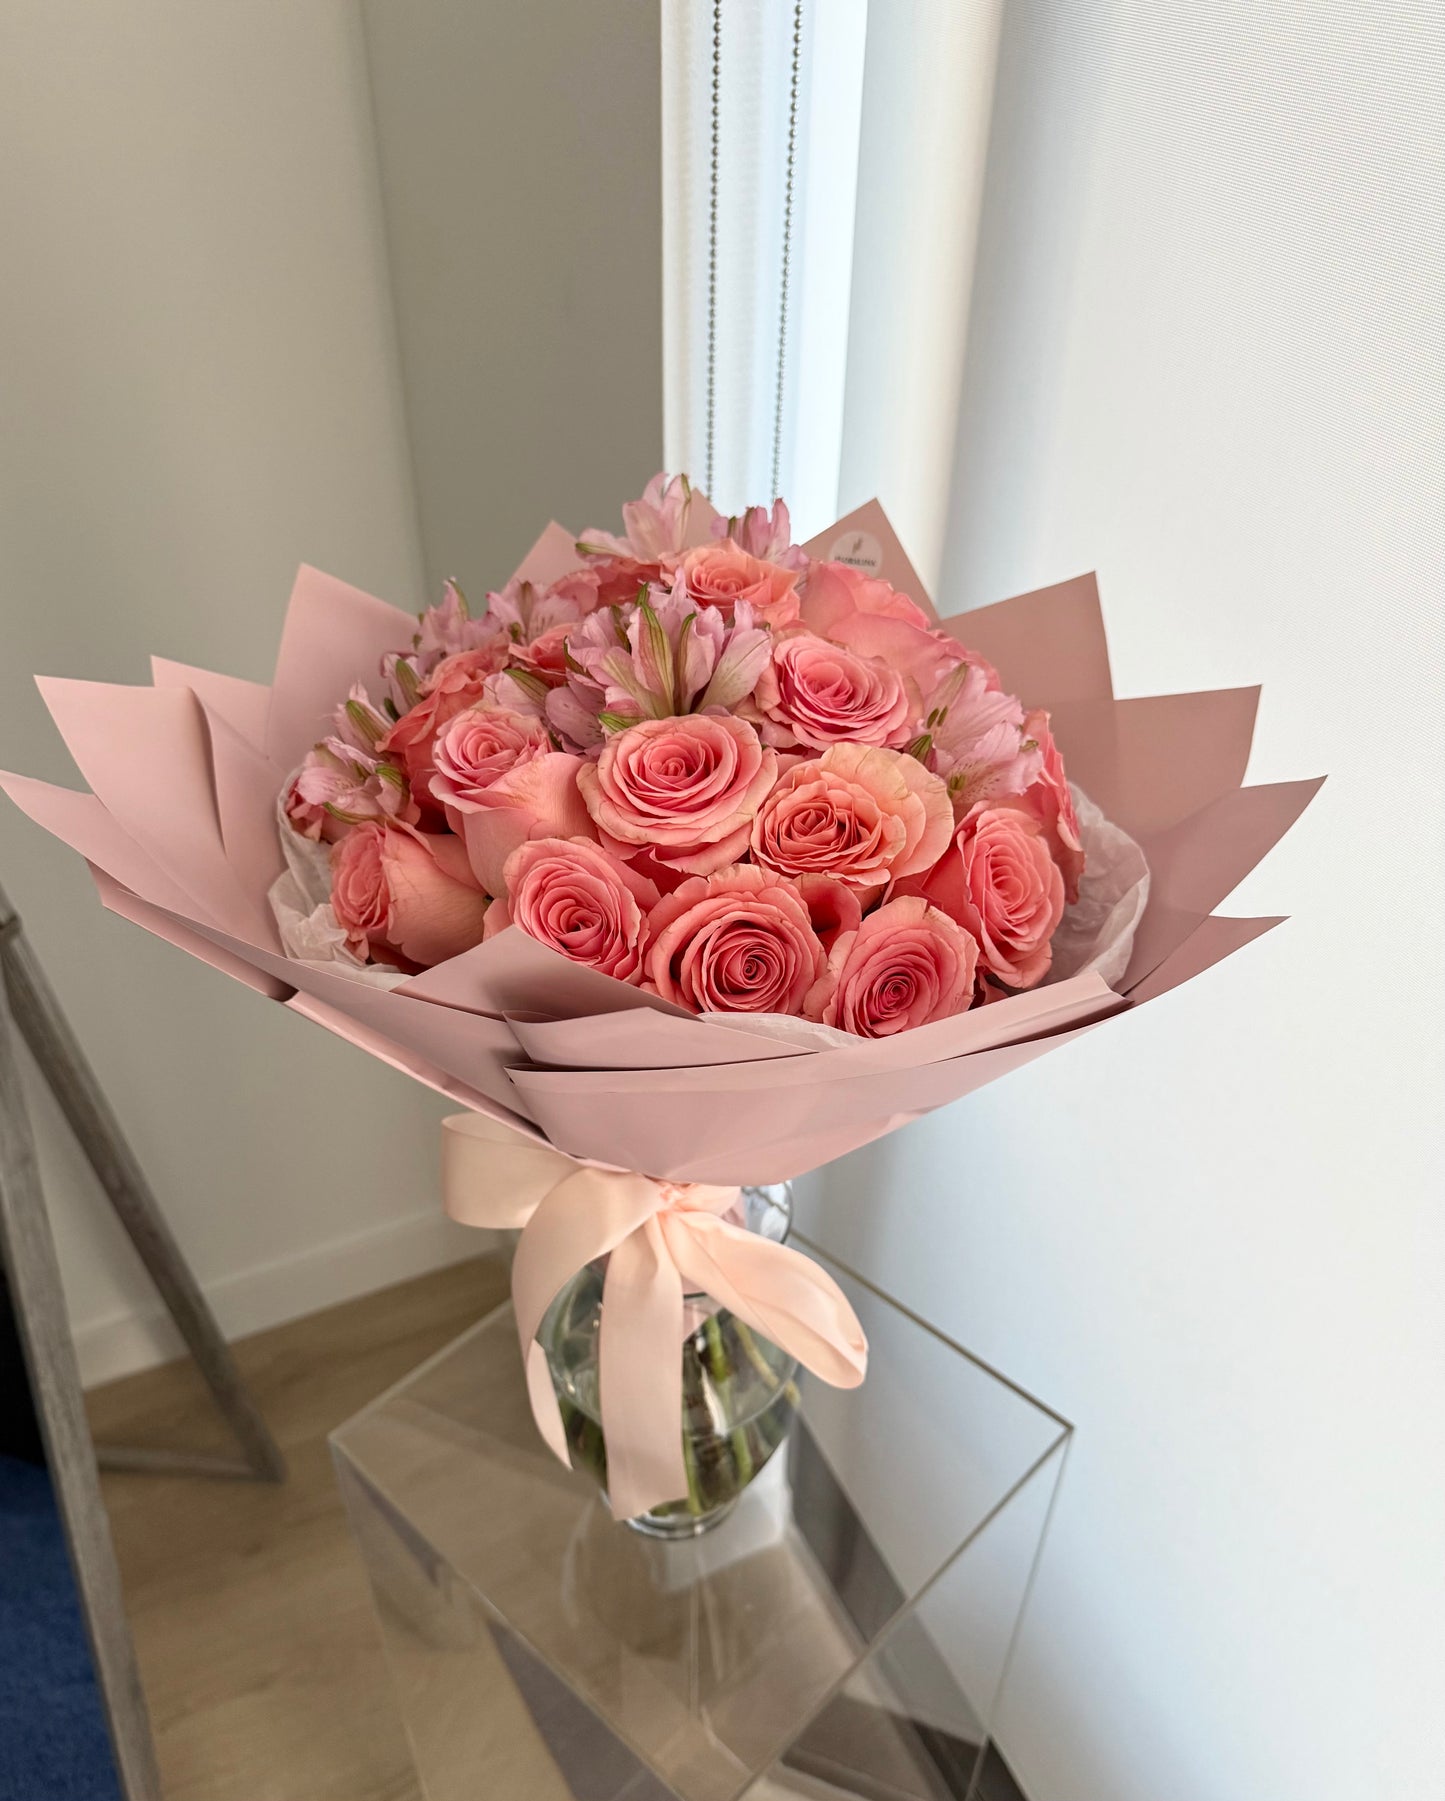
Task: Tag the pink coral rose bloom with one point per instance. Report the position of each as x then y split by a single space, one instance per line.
833 907
455 684
684 788
1051 803
538 798
859 813
570 894
740 941
1000 883
874 620
720 575
905 965
405 897
823 693
478 747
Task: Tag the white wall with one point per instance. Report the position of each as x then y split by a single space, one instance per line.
201 386
1205 358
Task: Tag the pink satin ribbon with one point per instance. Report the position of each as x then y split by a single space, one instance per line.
660 1238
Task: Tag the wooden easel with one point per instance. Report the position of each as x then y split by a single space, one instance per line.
27 1250
45 1029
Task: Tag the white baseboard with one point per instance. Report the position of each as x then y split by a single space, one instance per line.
272 1293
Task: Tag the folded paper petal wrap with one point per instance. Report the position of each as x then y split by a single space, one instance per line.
179 832
660 1239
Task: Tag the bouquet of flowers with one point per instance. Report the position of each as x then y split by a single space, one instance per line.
703 763
694 859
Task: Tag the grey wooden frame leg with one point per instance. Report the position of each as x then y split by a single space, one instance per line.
57 1053
29 1255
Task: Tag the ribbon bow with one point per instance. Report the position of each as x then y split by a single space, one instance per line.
659 1237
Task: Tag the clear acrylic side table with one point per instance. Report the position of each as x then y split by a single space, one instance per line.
844 1632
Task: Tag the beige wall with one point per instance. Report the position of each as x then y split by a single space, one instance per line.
201 386
520 161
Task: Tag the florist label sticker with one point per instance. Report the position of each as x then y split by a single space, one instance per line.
859 550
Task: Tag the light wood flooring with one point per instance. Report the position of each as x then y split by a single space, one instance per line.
262 1664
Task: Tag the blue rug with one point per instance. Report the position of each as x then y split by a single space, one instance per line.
53 1740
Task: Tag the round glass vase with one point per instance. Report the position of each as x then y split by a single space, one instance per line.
739 1391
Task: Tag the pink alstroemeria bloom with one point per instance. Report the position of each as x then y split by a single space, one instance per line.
339 786
657 659
765 535
524 611
670 518
973 736
446 629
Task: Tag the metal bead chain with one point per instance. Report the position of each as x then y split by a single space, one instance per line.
712 244
787 245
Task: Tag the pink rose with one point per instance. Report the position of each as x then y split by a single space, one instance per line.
905 965
405 897
874 620
859 813
684 788
740 941
836 592
720 575
833 907
569 894
477 748
1000 883
454 685
824 693
537 798
1051 803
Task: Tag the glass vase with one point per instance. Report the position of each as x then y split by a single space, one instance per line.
739 1391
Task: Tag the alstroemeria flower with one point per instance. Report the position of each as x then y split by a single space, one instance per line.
339 786
656 659
765 535
446 629
974 737
524 611
670 518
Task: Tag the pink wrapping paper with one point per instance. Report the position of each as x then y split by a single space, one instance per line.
179 829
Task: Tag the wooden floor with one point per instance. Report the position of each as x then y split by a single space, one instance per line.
262 1665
